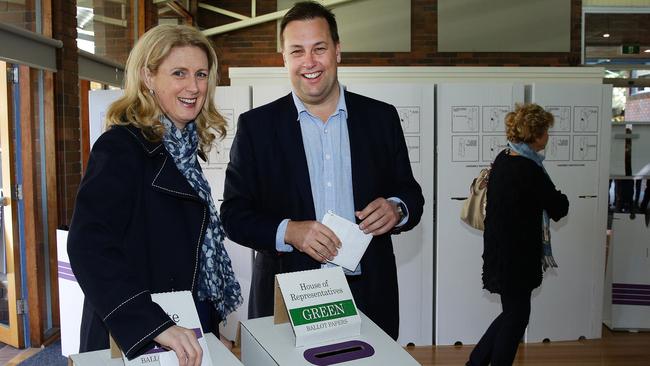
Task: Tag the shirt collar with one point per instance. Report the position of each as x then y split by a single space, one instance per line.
340 106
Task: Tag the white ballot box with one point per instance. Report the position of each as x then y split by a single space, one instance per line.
219 354
264 343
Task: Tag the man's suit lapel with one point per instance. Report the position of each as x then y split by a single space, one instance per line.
290 139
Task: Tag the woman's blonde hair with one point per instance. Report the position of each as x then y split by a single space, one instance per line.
527 122
139 108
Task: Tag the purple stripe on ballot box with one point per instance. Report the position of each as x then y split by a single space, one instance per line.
631 297
630 286
155 350
631 302
67 277
66 271
338 352
627 291
198 332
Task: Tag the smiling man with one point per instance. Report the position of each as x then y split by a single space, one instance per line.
316 150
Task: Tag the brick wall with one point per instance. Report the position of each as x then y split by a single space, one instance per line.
256 46
637 107
66 91
18 14
113 41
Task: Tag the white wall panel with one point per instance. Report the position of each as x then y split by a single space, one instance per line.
414 249
568 304
98 103
263 94
231 101
470 133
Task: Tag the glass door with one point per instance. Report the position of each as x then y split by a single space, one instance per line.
11 320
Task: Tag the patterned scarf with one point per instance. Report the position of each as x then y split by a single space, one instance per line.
525 150
217 282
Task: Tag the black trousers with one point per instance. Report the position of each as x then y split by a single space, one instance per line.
499 343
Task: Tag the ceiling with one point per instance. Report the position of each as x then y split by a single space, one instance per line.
623 30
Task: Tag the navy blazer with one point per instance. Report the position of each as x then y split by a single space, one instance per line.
136 230
267 180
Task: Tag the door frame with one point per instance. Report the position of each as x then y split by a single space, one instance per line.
12 334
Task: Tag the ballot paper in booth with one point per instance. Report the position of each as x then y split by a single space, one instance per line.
353 241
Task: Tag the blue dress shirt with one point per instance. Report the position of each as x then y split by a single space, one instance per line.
327 149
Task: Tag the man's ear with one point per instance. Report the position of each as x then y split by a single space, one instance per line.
338 53
284 59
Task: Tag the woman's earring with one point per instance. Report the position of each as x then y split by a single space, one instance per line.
151 92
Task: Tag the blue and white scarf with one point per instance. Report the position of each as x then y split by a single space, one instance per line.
217 282
526 151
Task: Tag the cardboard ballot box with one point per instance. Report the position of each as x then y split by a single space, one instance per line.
219 354
264 343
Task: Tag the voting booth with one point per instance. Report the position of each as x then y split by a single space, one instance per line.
471 132
71 298
626 303
316 322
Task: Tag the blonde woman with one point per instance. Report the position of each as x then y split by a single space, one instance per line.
144 220
521 198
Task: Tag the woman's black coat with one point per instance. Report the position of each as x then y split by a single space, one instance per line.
518 192
136 230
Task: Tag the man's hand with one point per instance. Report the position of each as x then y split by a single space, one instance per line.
313 239
379 217
184 343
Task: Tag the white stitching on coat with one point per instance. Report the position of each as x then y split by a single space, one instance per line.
167 189
124 302
198 244
141 143
150 333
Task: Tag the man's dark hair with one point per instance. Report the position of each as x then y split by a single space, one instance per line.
306 10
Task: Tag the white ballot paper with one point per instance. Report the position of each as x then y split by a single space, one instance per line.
353 241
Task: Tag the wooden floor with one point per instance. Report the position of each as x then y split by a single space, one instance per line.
10 356
614 349
7 353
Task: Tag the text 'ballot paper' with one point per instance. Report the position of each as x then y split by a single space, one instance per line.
353 241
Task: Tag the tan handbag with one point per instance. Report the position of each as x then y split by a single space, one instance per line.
473 212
